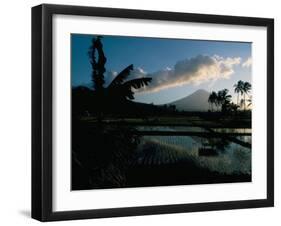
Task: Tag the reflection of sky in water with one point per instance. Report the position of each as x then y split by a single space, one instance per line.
247 139
192 129
234 159
171 128
232 130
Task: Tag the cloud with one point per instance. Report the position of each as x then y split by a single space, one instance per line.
109 76
196 70
136 73
247 63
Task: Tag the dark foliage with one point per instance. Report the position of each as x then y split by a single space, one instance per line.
98 67
101 155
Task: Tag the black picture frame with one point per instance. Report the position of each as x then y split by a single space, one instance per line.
42 111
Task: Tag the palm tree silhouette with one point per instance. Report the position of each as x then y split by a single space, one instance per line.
213 99
246 89
120 88
238 88
223 98
97 66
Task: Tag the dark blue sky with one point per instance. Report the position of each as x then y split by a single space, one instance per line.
154 55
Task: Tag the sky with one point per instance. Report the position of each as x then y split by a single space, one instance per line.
178 67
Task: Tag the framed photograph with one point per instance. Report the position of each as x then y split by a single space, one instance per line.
145 112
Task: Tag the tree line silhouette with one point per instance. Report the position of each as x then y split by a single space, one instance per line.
222 100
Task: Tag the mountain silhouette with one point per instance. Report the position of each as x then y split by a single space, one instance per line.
197 101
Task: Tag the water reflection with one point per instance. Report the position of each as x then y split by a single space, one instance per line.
231 159
247 139
232 130
171 128
111 156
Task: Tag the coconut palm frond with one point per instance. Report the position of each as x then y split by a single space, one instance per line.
238 88
126 89
138 82
247 87
119 79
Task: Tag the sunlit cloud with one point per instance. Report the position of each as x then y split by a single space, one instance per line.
247 63
196 70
